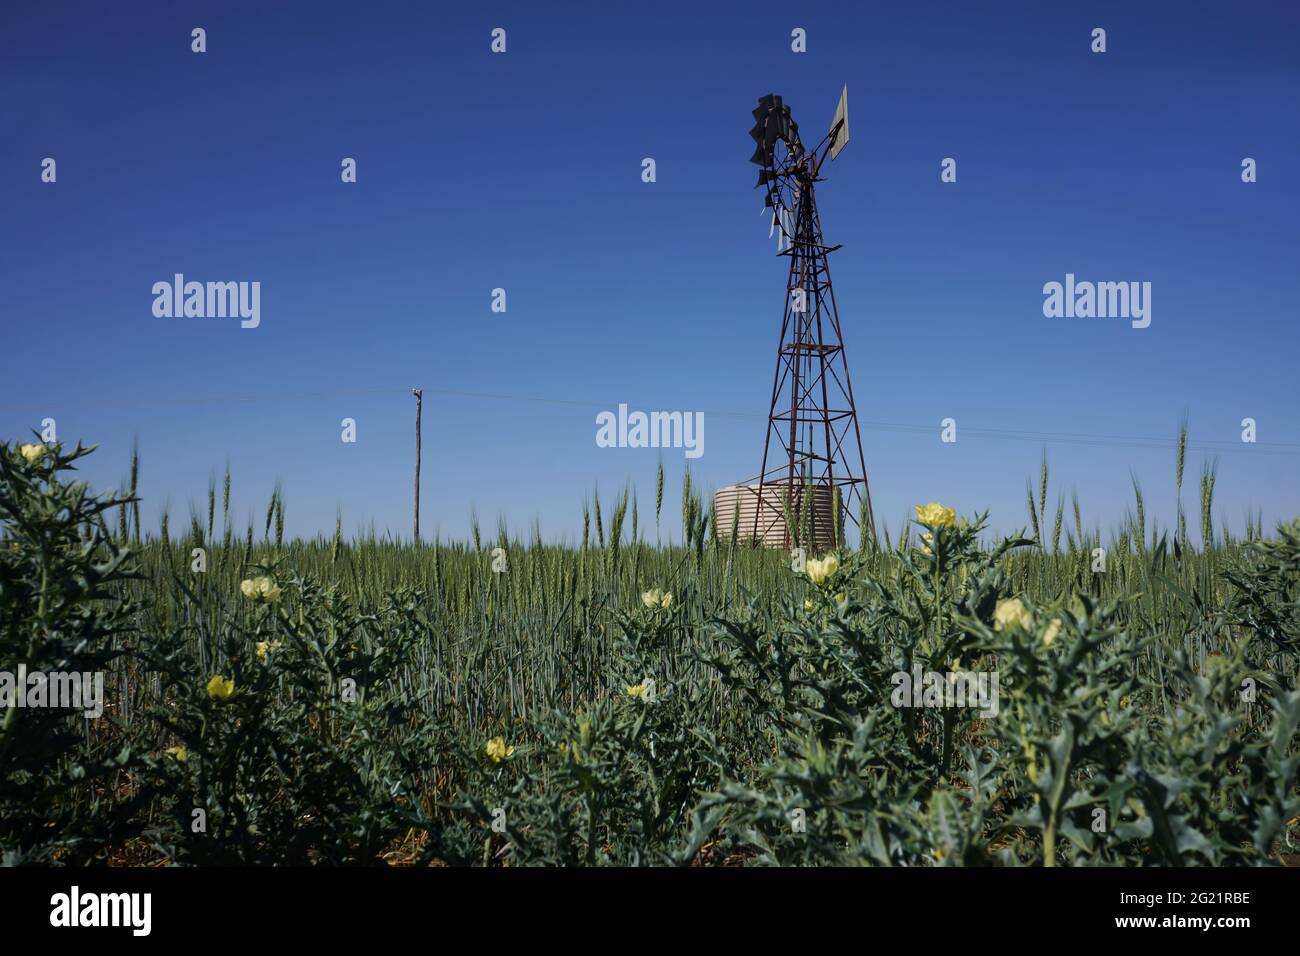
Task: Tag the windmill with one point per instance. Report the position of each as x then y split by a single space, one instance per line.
818 476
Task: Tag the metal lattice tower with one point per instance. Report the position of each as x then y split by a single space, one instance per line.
813 464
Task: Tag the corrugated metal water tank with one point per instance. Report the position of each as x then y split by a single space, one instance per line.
743 500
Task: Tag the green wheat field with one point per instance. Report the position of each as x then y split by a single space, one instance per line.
619 702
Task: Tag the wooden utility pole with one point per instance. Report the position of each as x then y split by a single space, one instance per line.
419 407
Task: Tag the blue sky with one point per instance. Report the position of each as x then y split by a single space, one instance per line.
522 171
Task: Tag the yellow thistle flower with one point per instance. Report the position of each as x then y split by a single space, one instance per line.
498 750
813 568
221 688
655 598
32 453
265 648
260 589
807 604
819 570
935 515
178 753
638 690
1010 613
1049 635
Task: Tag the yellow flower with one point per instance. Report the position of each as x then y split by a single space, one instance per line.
638 690
498 750
819 570
178 753
935 515
1050 634
260 589
1010 613
807 604
32 453
657 598
264 648
221 688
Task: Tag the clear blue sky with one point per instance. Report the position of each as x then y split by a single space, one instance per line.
522 171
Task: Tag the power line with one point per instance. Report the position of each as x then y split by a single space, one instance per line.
204 400
1285 449
1126 441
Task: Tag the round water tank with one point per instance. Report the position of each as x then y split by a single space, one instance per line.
736 509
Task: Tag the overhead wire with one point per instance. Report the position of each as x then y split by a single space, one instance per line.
1287 449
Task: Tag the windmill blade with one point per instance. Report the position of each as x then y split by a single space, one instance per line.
779 227
840 123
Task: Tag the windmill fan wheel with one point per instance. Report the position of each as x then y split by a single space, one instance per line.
777 151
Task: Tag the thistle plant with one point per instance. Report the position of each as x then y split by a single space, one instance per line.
61 613
362 701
